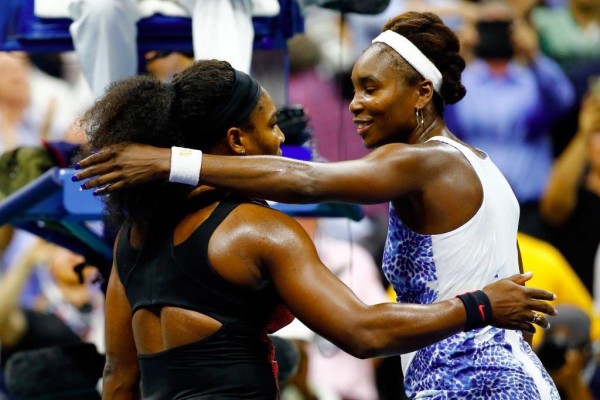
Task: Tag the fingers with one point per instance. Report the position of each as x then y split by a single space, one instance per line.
103 182
97 169
540 320
521 278
542 307
540 294
108 189
526 327
514 304
93 159
95 164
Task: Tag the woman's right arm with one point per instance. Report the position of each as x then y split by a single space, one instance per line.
121 376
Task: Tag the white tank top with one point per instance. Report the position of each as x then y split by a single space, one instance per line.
428 268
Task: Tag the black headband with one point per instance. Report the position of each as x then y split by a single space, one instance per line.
239 104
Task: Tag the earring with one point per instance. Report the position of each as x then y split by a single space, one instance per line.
420 117
243 152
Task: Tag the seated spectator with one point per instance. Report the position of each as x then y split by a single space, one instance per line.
66 311
33 105
104 33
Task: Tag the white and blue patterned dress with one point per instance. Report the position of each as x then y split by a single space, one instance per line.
487 363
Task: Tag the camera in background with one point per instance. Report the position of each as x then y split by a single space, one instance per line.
494 40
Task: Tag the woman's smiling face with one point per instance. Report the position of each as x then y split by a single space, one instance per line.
384 104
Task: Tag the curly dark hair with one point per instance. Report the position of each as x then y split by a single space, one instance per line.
142 109
439 43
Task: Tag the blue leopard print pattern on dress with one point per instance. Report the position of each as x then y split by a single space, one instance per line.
465 368
408 263
527 350
460 367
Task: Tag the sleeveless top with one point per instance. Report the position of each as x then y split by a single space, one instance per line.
235 362
483 363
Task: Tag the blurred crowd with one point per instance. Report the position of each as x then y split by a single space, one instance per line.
532 104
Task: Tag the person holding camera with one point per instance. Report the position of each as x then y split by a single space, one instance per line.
515 94
571 201
566 352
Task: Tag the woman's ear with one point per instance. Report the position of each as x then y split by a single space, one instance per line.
235 138
425 93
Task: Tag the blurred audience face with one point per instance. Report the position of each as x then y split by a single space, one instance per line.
61 263
493 32
14 79
165 66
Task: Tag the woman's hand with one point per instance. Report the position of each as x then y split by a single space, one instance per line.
123 166
515 306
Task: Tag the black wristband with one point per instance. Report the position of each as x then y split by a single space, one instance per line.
479 309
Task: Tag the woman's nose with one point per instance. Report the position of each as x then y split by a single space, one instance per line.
355 105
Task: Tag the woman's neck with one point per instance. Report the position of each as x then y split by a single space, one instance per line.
431 128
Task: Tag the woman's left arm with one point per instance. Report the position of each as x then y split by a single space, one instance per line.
385 174
121 376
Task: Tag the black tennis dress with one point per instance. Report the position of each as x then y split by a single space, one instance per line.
237 361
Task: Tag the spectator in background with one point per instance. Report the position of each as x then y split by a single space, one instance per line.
66 310
165 65
570 34
33 105
514 93
315 84
320 61
104 33
566 352
552 272
69 372
570 204
365 28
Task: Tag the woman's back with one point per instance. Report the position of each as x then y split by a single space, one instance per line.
197 307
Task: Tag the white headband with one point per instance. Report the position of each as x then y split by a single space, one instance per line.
413 56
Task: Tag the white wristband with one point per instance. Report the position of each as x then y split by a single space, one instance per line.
185 165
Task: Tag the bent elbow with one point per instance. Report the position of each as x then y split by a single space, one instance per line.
363 345
109 369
